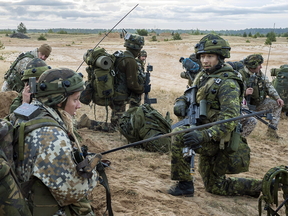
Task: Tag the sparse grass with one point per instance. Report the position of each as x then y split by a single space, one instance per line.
2 58
247 41
2 46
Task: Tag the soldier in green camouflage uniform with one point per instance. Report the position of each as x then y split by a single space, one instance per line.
222 87
42 52
262 87
34 69
128 84
48 166
12 201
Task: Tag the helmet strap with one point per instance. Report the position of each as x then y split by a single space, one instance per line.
216 67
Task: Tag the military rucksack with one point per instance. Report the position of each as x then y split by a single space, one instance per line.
280 83
275 177
102 70
12 200
12 77
143 122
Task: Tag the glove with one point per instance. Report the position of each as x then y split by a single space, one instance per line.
194 139
147 88
180 108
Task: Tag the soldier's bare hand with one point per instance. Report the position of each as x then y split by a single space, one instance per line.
280 102
249 91
26 94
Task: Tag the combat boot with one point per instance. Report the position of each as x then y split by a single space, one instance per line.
182 188
84 122
273 134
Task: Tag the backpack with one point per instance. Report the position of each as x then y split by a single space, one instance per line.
12 77
143 122
12 200
280 84
272 179
103 84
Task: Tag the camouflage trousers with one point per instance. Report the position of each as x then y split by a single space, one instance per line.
248 125
214 182
269 103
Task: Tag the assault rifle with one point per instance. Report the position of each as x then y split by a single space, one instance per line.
147 87
186 130
268 117
250 85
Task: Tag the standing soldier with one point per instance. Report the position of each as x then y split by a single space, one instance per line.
262 87
13 75
126 84
49 160
222 88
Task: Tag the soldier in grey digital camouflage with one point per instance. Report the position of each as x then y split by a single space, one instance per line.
12 201
262 88
48 164
13 75
221 148
33 69
127 83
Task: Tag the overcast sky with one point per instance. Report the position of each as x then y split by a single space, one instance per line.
149 14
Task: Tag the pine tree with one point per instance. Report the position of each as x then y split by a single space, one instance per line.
21 28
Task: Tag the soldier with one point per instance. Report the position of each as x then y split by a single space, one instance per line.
141 60
13 75
12 200
126 82
193 67
49 166
221 86
262 87
34 69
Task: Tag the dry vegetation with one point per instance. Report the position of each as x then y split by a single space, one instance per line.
138 180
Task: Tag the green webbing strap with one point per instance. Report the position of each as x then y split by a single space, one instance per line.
39 122
104 182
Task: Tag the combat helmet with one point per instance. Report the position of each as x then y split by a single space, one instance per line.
213 44
142 53
55 85
134 41
34 69
253 61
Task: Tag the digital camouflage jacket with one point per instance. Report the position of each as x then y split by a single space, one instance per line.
48 156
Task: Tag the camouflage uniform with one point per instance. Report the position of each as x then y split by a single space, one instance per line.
20 66
248 124
223 103
261 89
12 201
49 164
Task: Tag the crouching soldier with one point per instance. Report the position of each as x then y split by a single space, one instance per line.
55 177
222 88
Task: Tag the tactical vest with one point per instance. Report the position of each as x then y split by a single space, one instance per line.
12 77
208 87
259 90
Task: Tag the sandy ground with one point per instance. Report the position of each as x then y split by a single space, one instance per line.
138 179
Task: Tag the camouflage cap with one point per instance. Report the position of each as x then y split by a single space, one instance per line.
213 44
134 41
34 69
55 85
143 53
253 61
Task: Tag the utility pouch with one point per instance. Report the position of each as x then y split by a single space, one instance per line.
233 144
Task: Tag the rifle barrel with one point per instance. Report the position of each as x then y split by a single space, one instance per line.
186 130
